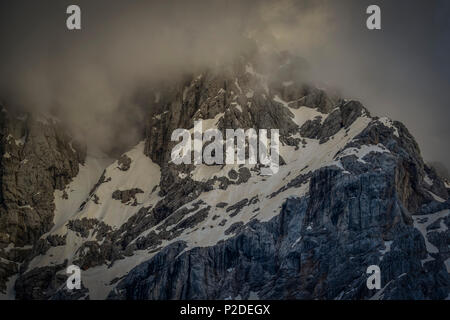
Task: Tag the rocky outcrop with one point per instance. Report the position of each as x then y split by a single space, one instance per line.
313 98
124 163
37 158
342 117
127 196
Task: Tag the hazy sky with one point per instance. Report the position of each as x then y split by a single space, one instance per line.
402 71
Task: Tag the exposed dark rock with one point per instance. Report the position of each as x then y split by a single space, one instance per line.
40 283
127 196
124 162
237 207
84 226
221 205
234 228
7 269
311 128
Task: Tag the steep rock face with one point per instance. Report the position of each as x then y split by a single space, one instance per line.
37 158
319 247
411 168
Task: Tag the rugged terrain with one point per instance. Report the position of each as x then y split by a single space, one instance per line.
352 191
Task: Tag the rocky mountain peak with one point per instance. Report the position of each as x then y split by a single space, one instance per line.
352 191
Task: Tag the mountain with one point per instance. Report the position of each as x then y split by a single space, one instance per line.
352 191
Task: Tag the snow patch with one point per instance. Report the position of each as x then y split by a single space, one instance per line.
237 106
143 174
18 142
296 241
422 226
390 124
387 245
302 114
78 190
26 207
10 293
436 197
236 83
182 175
427 180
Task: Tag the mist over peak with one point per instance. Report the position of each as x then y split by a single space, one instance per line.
91 77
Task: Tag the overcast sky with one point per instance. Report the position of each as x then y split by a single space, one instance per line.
402 71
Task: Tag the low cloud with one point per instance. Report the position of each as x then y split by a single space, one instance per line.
92 77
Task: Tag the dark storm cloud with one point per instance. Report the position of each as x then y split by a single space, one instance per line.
401 71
